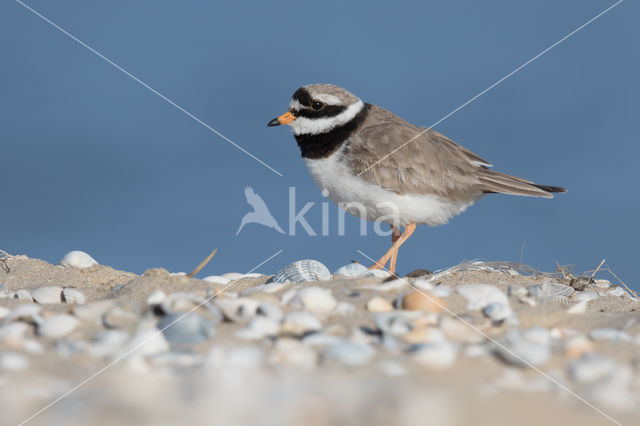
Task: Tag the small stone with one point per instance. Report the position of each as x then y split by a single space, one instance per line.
14 332
73 296
437 356
584 296
12 361
610 334
57 326
77 259
458 331
591 368
344 309
316 300
185 329
417 301
481 295
215 279
147 342
424 335
4 312
349 352
258 328
526 347
49 294
578 308
26 312
376 273
23 294
497 312
156 298
378 304
300 322
119 318
576 346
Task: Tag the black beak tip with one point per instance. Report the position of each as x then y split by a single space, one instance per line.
273 122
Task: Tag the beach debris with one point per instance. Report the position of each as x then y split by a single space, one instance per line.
378 304
48 294
73 296
306 270
57 326
77 259
351 270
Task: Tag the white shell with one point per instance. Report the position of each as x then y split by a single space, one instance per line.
549 290
616 292
57 326
351 270
258 328
436 355
215 279
156 298
376 273
77 259
349 352
24 312
481 295
316 300
497 311
294 353
73 296
13 361
527 347
49 294
302 271
186 328
584 296
300 322
23 294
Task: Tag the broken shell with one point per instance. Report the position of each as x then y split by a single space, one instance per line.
548 290
302 271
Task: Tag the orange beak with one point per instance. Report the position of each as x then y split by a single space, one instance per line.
285 118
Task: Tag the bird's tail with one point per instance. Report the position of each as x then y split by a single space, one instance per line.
501 183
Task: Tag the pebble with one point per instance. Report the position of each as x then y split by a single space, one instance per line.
458 331
422 301
215 279
240 309
300 322
24 312
349 352
378 304
13 361
497 312
293 353
576 346
437 356
4 312
258 328
590 368
578 308
610 334
316 300
118 317
345 309
351 270
49 294
77 259
23 294
395 323
73 296
424 335
146 342
107 343
57 326
186 328
14 332
307 270
156 298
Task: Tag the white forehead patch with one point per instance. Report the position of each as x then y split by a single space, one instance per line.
295 105
328 99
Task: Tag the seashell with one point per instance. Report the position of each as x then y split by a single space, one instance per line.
215 279
524 348
481 295
584 296
107 343
185 328
517 290
73 296
394 285
424 335
591 368
497 312
349 352
118 317
240 309
258 328
183 302
602 284
23 294
436 355
49 294
396 323
77 259
376 273
421 284
442 291
547 290
300 322
146 342
302 271
610 334
378 304
13 361
616 292
57 326
422 301
232 276
351 270
316 300
25 312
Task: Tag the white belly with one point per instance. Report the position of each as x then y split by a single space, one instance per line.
372 202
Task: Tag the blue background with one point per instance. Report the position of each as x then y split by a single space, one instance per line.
91 160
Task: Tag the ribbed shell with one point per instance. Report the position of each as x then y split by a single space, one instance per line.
549 289
351 270
302 271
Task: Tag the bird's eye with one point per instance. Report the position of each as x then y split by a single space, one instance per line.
317 106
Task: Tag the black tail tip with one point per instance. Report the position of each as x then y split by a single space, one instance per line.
549 188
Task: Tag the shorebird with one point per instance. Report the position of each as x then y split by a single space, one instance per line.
380 167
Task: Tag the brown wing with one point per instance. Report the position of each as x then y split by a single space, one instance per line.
430 164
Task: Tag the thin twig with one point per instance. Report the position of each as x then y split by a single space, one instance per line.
633 292
596 270
202 264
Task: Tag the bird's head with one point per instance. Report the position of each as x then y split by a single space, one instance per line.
319 108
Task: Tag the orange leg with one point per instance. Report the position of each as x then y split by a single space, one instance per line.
408 231
395 235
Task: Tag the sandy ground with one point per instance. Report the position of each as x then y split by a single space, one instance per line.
226 379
